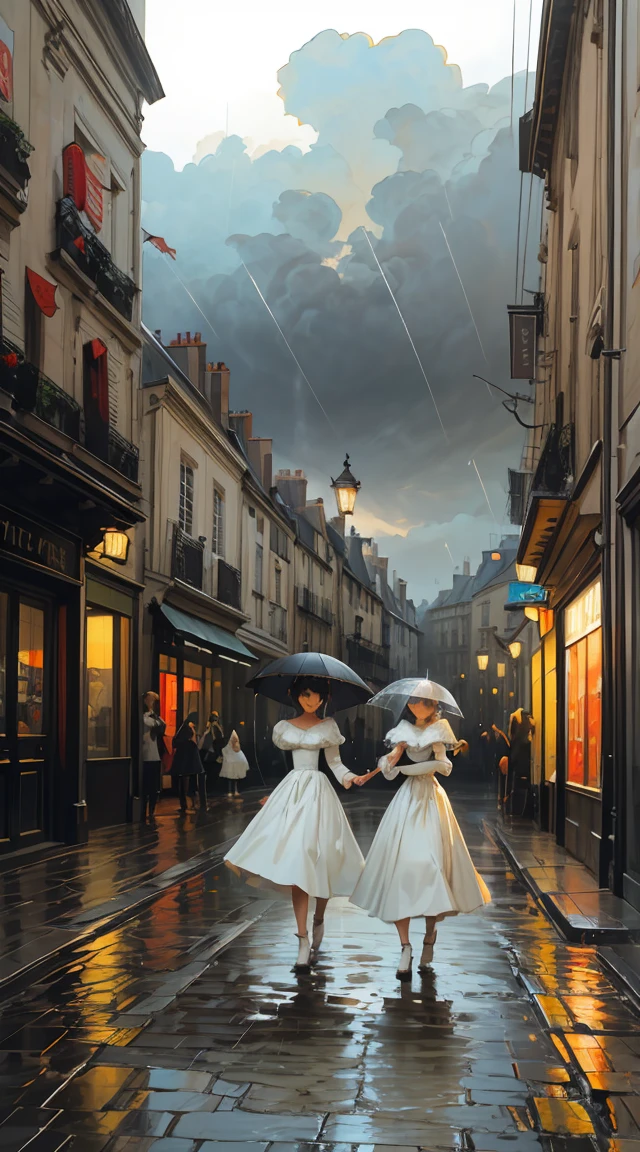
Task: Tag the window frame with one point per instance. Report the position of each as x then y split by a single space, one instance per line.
186 467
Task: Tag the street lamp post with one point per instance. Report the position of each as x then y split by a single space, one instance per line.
515 649
483 663
346 489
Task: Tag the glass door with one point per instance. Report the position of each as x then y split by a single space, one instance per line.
25 719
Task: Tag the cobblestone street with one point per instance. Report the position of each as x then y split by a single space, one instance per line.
185 1031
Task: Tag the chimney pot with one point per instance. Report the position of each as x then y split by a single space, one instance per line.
158 334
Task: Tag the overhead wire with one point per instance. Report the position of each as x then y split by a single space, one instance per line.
473 320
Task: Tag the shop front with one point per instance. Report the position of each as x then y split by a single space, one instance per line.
40 588
60 718
110 626
583 726
199 667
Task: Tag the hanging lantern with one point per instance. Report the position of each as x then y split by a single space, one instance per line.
483 661
114 546
515 648
346 489
526 573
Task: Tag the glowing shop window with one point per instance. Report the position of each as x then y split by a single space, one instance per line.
30 670
100 651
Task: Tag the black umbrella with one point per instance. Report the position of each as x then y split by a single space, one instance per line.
347 689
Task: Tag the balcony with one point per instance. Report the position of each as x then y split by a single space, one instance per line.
123 456
278 622
187 562
229 585
314 605
15 150
32 391
369 660
552 488
83 247
554 474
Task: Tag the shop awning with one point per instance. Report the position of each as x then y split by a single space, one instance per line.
201 632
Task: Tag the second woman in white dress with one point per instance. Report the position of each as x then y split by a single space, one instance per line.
419 864
301 843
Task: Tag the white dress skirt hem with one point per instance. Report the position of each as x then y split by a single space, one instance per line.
301 836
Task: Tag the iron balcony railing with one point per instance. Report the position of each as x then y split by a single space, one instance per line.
229 585
370 661
315 605
34 392
188 559
123 456
75 238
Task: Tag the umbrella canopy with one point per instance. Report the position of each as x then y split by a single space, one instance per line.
396 696
347 689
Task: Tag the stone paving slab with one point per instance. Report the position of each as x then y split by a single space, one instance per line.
47 906
566 890
515 1039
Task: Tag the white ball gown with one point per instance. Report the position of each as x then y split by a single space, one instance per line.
234 764
419 864
301 836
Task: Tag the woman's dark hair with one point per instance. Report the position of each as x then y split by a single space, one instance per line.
312 684
407 714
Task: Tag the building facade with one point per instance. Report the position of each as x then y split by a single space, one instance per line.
71 538
566 543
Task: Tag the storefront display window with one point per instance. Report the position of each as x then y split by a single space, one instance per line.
583 637
108 683
30 670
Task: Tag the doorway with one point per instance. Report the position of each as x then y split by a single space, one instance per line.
27 714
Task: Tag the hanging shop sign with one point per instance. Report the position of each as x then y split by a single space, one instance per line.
520 595
524 325
38 546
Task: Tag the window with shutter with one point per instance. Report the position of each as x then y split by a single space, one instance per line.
217 537
278 585
186 497
257 582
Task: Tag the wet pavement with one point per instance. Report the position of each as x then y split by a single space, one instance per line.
50 903
185 1030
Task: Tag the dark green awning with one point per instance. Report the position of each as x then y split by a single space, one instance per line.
201 632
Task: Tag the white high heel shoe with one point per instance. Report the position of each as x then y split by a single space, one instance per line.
404 967
317 935
427 952
302 964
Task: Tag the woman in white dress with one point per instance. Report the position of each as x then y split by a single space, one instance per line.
234 765
301 843
419 864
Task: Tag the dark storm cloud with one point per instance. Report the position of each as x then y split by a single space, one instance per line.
405 150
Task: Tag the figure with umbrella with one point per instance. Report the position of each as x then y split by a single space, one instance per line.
300 843
418 864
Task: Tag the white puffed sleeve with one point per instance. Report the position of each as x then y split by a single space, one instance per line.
389 771
342 774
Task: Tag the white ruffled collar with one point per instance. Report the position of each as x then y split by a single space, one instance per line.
417 739
324 735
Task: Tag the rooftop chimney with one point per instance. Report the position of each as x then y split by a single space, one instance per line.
292 487
242 424
259 451
191 357
216 389
466 566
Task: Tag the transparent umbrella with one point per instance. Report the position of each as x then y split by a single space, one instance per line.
396 696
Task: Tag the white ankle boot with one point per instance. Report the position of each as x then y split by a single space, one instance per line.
427 952
318 934
303 964
404 967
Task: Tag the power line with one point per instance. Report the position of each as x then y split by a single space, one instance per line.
473 321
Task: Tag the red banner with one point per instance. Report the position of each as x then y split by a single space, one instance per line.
43 292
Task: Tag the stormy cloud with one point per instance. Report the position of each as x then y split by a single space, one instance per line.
404 151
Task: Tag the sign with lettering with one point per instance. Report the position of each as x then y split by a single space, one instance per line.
520 595
38 546
523 335
583 615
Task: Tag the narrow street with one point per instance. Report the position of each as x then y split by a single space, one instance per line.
185 1030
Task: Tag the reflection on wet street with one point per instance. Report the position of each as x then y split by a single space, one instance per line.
185 1029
